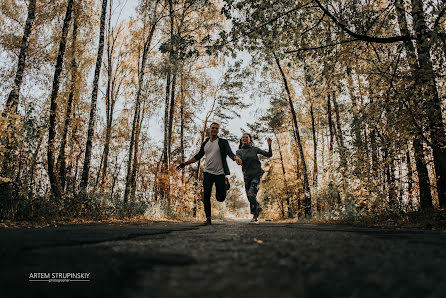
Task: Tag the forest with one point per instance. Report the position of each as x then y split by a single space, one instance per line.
98 107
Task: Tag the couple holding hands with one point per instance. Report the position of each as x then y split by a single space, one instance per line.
216 149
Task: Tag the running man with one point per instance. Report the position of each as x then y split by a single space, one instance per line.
216 150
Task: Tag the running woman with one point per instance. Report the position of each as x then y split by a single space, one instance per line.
252 171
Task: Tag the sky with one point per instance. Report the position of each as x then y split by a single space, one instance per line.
235 125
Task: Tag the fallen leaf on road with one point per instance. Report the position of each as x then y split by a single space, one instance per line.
258 241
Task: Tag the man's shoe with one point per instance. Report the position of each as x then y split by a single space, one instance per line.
254 221
228 185
207 222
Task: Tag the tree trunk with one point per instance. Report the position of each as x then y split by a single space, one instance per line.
421 166
432 102
135 165
339 136
110 100
115 176
374 153
307 193
12 101
98 174
313 128
390 176
141 74
182 123
169 80
30 176
423 176
109 116
61 160
357 163
53 176
409 177
330 123
73 162
287 191
94 96
13 97
128 180
357 142
171 116
166 120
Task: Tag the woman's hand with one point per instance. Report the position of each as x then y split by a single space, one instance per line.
238 160
269 141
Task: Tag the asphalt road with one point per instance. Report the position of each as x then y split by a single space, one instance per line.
227 259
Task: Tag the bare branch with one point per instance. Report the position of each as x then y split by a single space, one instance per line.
321 47
362 36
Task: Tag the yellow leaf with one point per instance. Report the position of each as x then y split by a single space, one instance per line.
257 241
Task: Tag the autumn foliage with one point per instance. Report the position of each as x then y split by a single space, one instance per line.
98 106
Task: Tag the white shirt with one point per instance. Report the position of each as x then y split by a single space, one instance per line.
214 165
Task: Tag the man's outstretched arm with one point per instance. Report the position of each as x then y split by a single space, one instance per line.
183 164
196 157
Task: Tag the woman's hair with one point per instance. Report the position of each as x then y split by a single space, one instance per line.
250 140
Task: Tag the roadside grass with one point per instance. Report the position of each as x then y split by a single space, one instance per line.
431 219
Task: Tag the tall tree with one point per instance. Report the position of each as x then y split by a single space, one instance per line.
420 163
154 17
53 175
117 70
307 194
94 96
432 103
313 129
61 160
13 97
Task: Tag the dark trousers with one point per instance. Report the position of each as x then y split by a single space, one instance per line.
220 187
252 187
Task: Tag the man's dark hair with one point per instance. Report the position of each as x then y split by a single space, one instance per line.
215 124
